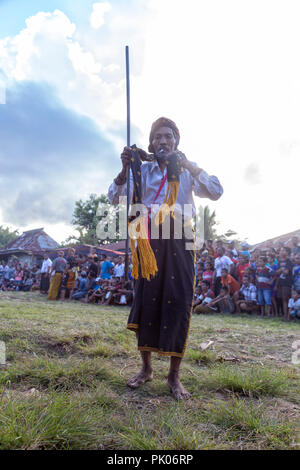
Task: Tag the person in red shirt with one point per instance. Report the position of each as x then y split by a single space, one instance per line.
207 275
229 281
242 266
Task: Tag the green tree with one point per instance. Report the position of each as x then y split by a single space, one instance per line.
6 235
209 223
85 221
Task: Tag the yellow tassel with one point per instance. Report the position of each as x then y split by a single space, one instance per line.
138 234
168 202
135 260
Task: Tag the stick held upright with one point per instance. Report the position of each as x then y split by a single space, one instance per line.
128 167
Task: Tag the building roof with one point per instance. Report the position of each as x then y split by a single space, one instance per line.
118 246
276 241
86 250
34 241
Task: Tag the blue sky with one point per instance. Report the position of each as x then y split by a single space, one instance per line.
226 72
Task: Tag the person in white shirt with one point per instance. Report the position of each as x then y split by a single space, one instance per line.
221 262
45 274
162 306
119 268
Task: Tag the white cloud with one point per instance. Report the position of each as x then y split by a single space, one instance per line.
226 72
252 173
97 16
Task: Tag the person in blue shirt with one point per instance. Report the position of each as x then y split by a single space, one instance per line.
296 272
106 267
82 289
245 250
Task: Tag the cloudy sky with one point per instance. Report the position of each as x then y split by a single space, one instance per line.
227 72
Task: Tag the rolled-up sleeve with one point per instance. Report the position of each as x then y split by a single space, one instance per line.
208 186
115 191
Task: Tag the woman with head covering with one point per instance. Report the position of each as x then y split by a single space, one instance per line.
164 265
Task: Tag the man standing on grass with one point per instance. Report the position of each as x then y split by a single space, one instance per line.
58 267
45 274
162 306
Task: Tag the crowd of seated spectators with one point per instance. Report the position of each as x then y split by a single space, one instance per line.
264 281
83 278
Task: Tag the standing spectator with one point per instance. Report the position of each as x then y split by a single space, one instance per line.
219 244
296 246
272 264
106 267
284 282
119 268
18 277
233 249
71 258
208 274
264 279
296 272
58 267
245 250
210 248
243 264
93 267
45 274
68 283
221 262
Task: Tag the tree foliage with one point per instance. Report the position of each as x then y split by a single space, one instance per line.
209 225
85 221
6 235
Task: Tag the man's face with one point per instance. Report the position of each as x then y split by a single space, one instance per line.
260 263
164 139
283 253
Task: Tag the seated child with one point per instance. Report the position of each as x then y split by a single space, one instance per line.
294 304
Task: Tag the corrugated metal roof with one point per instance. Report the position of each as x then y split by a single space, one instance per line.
32 240
286 238
118 246
86 250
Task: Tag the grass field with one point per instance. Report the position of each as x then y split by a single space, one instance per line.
64 384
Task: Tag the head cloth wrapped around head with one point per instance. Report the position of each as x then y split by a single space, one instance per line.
163 122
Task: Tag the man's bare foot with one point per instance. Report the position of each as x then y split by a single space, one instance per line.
177 389
142 377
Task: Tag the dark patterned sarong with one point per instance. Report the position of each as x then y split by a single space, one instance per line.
162 307
44 285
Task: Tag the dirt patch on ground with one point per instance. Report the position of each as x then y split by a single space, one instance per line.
63 347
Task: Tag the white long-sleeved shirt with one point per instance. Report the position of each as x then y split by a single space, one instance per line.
47 263
203 185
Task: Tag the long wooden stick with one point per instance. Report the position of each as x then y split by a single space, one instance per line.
128 167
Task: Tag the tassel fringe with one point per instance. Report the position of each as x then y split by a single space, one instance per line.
139 239
168 203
